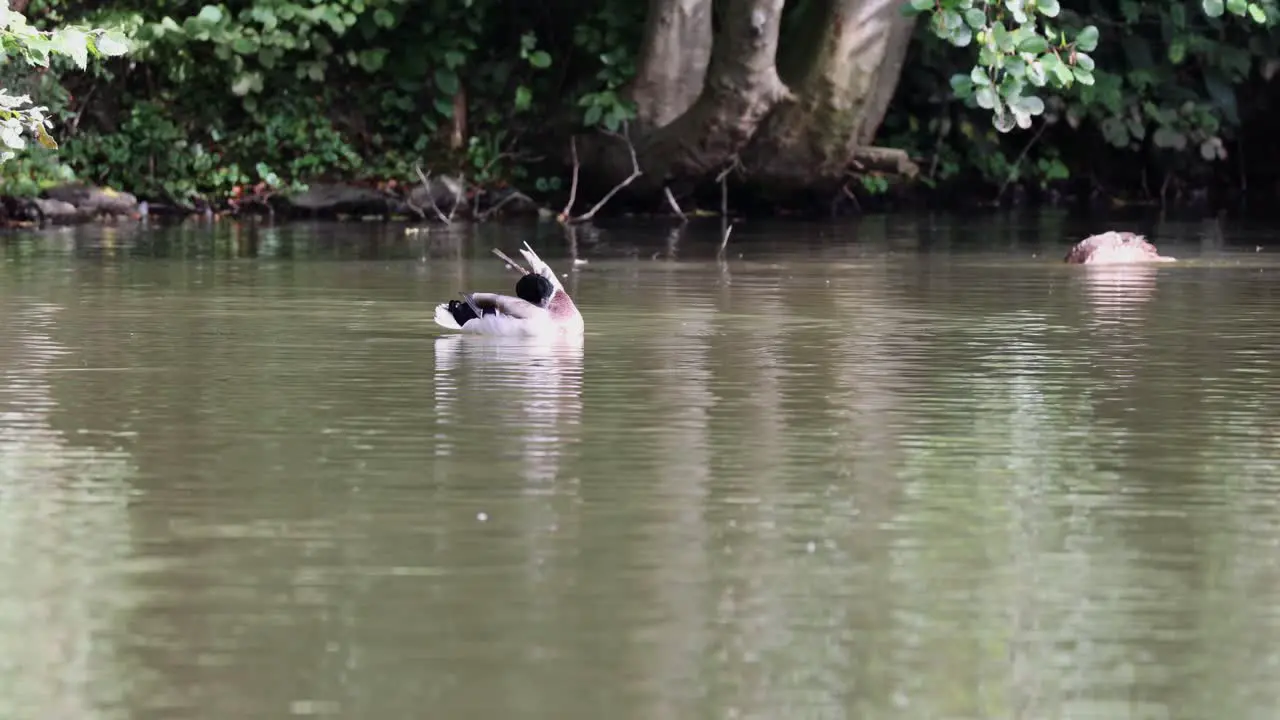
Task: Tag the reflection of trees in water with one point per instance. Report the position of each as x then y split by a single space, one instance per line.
773 438
65 538
1080 417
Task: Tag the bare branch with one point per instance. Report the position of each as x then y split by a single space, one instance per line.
1013 169
723 179
724 238
573 186
457 197
675 206
635 173
849 194
426 185
734 164
514 195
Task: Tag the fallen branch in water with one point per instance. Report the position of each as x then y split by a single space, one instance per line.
724 238
564 216
426 185
844 190
890 161
675 206
515 195
723 179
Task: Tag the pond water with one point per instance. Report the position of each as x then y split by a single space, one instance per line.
902 468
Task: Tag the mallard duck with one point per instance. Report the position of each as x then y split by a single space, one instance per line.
1114 247
540 306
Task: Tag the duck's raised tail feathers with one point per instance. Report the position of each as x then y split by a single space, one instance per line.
445 318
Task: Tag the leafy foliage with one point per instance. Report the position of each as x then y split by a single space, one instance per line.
1162 84
351 89
218 96
1022 48
35 48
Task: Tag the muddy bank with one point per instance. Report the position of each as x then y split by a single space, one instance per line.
439 199
443 198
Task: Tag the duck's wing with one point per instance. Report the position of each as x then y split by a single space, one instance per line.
510 263
536 265
504 304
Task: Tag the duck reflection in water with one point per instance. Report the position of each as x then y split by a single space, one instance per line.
519 391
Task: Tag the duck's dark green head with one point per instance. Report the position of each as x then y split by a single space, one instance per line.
535 289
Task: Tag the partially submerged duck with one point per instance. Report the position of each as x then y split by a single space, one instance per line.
541 305
1113 247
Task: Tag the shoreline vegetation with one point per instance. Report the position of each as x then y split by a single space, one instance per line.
444 199
570 110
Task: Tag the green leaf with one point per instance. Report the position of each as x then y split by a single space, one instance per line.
447 81
1003 121
373 60
979 77
1003 38
1085 61
961 36
43 137
1035 45
1115 132
975 18
1177 51
1167 137
1237 7
917 5
211 14
540 59
1011 86
444 106
73 43
1258 14
592 116
384 18
961 86
264 15
454 59
524 98
1087 40
1213 8
244 45
247 83
1084 77
1048 8
1036 74
1029 104
112 43
986 97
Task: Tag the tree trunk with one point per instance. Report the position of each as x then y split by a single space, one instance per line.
841 65
842 93
673 61
740 88
895 54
